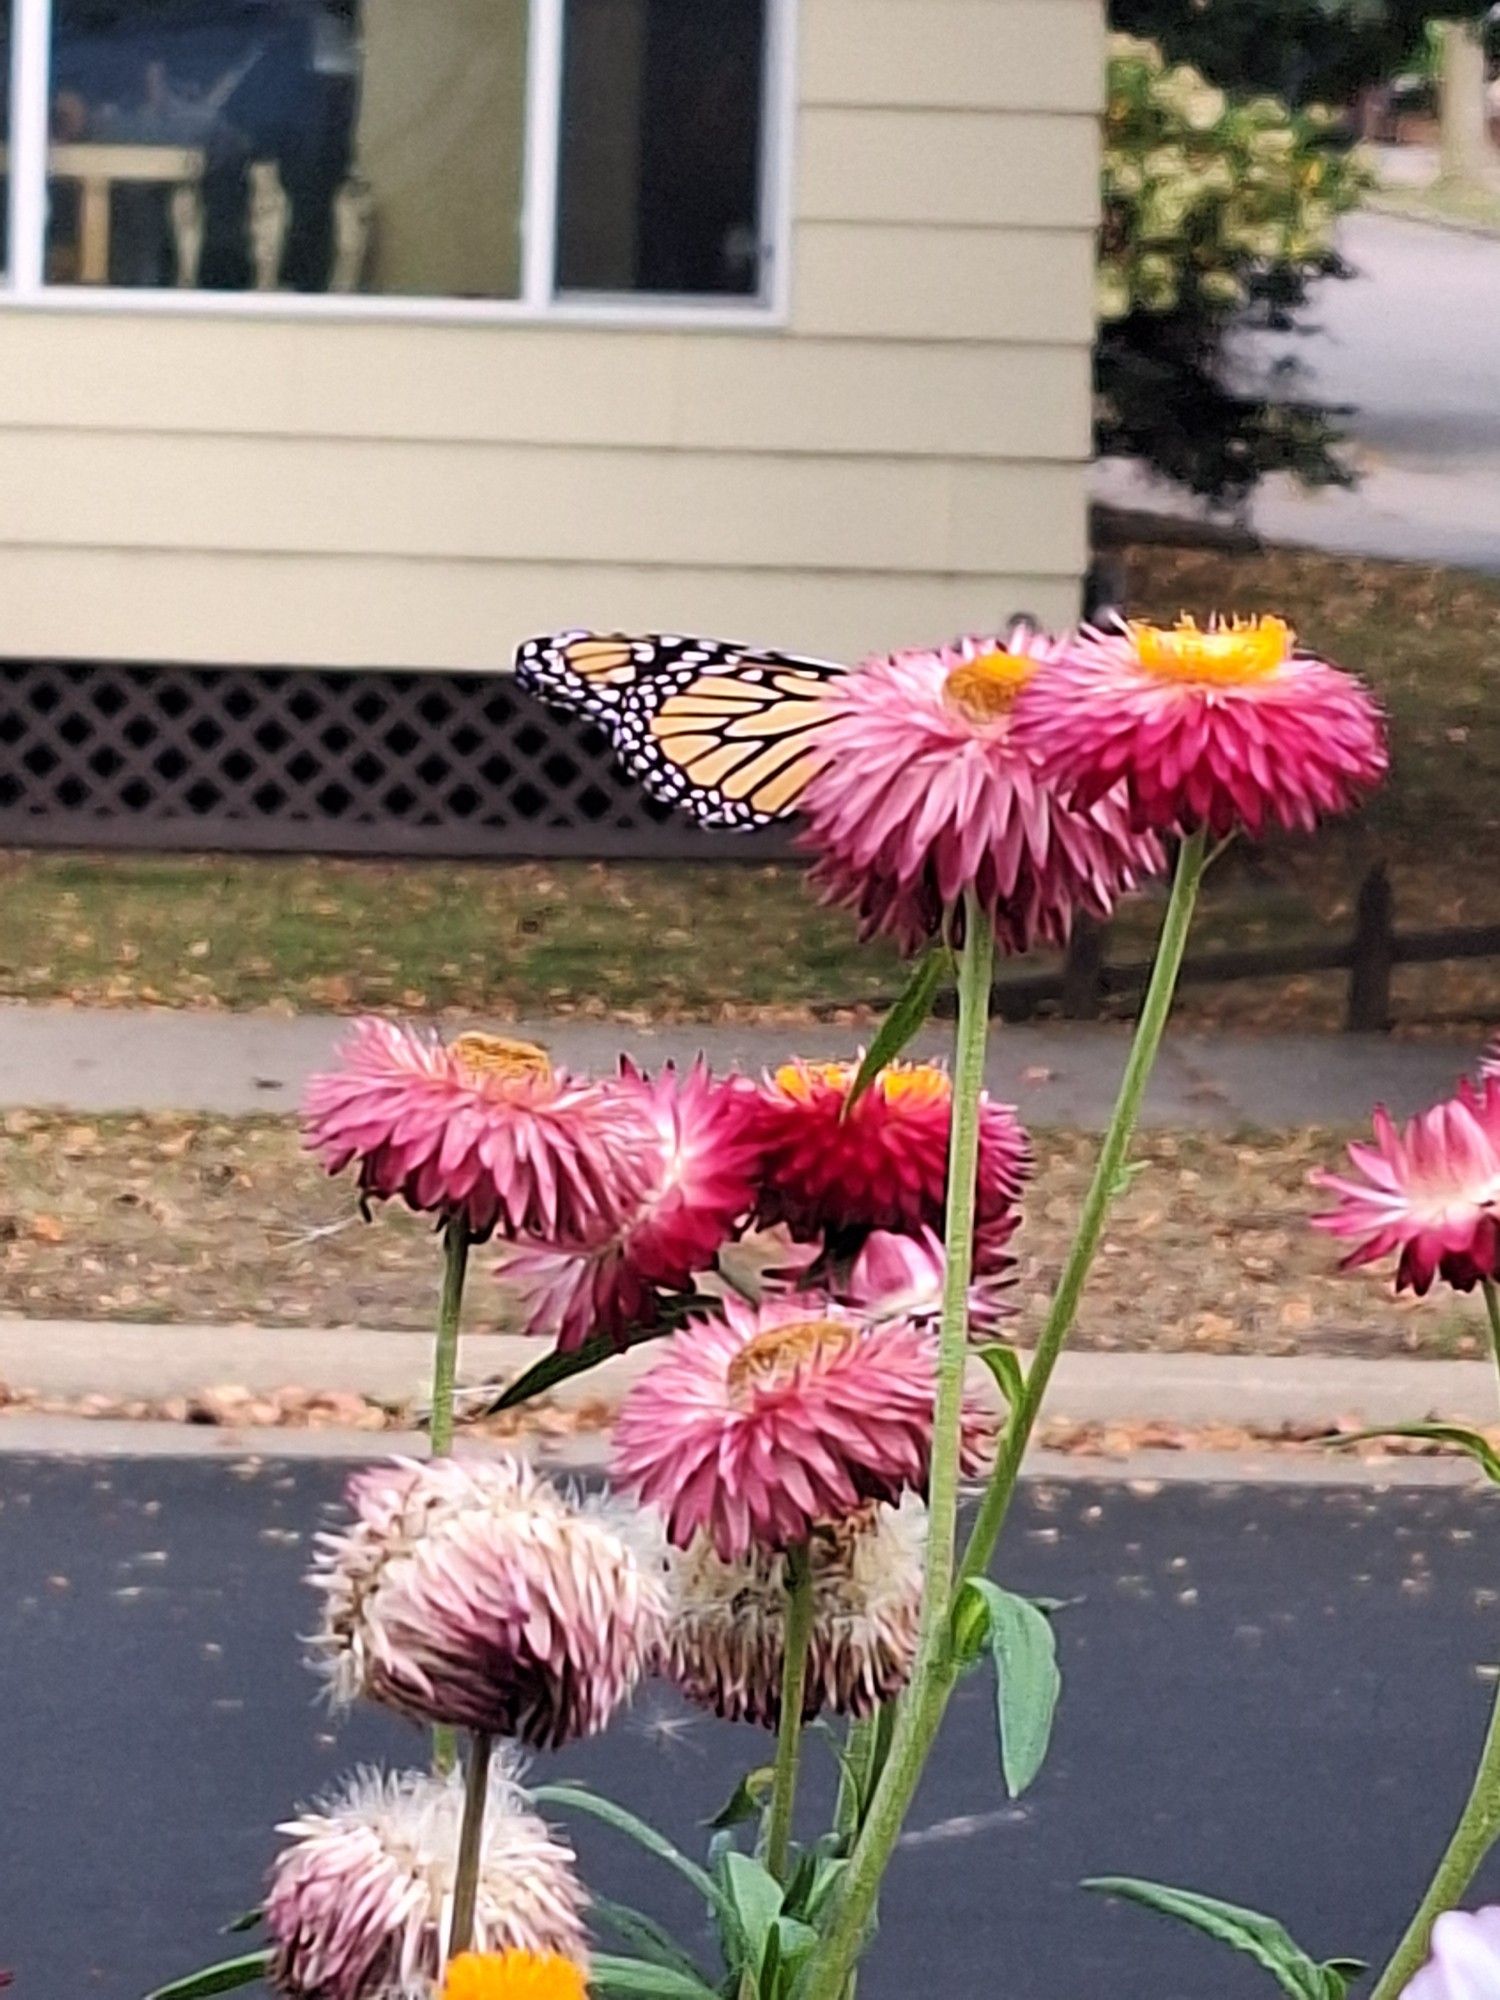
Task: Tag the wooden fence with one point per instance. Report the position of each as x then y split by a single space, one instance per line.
1369 956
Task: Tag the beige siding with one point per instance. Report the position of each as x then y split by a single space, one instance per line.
904 459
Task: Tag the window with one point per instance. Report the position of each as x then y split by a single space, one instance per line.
476 154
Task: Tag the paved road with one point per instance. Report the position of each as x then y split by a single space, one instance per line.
1272 1695
100 1060
1410 343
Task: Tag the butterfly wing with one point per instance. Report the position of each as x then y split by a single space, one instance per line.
587 673
732 735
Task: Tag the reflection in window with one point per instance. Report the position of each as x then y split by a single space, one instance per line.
661 146
300 145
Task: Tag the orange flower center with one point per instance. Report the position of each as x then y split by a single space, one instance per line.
485 1056
906 1083
513 1975
985 689
896 1084
1228 652
796 1079
776 1356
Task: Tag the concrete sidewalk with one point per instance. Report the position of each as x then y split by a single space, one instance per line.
1059 1074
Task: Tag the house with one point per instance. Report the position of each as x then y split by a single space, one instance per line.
360 338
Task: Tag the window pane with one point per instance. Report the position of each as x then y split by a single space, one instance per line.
661 146
296 145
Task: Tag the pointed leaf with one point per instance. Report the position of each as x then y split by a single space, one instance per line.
1260 1938
637 1979
1005 1365
904 1020
247 1922
597 1806
643 1934
757 1897
226 1977
1477 1446
1028 1683
554 1368
747 1801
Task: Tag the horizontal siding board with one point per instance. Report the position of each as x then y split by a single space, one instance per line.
975 168
887 281
413 502
1002 55
989 499
526 385
358 612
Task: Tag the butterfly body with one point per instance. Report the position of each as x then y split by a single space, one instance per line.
732 734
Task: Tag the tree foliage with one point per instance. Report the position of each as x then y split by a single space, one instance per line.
1216 207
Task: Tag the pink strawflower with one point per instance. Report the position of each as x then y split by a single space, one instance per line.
1431 1192
1490 1062
884 1163
704 1158
1465 1962
361 1897
760 1426
1221 728
471 1592
480 1127
901 1277
928 793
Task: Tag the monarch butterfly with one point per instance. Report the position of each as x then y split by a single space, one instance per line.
730 733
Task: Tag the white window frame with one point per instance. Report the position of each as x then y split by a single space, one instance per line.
25 286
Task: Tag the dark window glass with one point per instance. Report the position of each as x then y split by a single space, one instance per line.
660 168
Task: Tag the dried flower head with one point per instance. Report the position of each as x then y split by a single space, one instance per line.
882 1162
1220 727
471 1592
481 1127
362 1894
704 1156
901 1277
1431 1192
928 794
513 1975
756 1428
726 1634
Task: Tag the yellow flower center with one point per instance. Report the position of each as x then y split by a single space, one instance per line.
896 1084
484 1056
774 1357
908 1083
1226 653
796 1079
513 1975
985 689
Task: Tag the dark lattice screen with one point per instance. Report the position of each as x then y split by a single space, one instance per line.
315 762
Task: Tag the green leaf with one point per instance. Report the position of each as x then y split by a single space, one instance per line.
903 1021
554 1368
1462 1439
644 1934
789 1945
1005 1365
747 1801
1260 1938
247 1922
1028 1683
226 1977
637 1979
582 1800
757 1898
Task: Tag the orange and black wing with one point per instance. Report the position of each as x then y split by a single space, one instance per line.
732 737
587 673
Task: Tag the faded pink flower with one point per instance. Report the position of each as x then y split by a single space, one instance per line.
928 793
1490 1061
758 1427
362 1894
1465 1962
881 1163
1431 1191
1226 727
481 1127
704 1157
473 1593
901 1277
726 1635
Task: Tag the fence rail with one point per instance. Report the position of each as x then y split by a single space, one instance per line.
1370 955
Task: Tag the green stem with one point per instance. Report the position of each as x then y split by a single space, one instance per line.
1108 1182
933 1681
470 1844
1492 1311
440 1424
1476 1833
799 1622
854 1777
